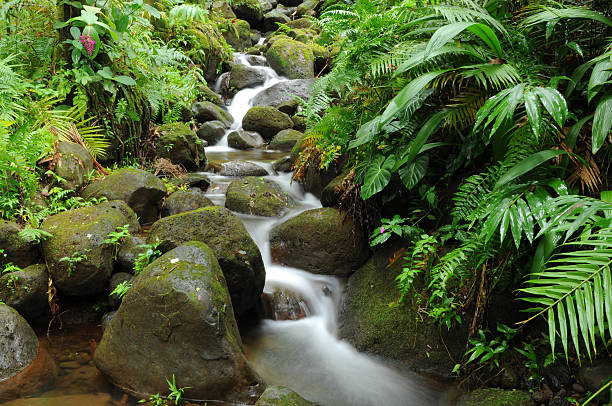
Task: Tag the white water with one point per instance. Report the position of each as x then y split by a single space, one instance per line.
306 355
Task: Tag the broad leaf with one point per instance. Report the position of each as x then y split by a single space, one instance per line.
532 107
527 165
412 174
554 103
446 33
377 176
602 123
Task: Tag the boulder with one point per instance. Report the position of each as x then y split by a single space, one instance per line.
74 163
271 18
372 325
287 10
223 9
141 190
206 94
14 248
307 8
257 60
224 233
239 168
193 179
25 366
281 396
179 144
114 300
258 196
315 179
26 291
255 37
266 120
595 374
282 164
89 399
244 140
285 305
495 397
291 58
208 111
207 47
211 131
285 140
249 10
290 3
330 196
238 34
304 23
243 76
177 320
324 241
289 107
79 262
283 92
185 200
128 253
299 123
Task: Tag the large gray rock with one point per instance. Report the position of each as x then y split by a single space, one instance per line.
266 120
292 59
15 249
249 10
271 18
244 140
26 291
224 233
258 196
243 76
239 168
281 396
238 35
211 131
323 241
223 9
185 200
307 8
74 164
180 145
285 140
78 234
128 253
208 111
177 320
495 397
283 92
141 190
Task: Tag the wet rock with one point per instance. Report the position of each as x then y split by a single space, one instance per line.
96 399
332 192
594 375
290 3
223 9
285 140
307 8
282 164
249 10
245 139
141 190
289 107
255 37
239 168
284 92
193 180
243 76
371 321
25 366
185 200
257 60
292 59
206 47
238 35
224 233
495 397
26 291
106 319
78 235
206 94
180 145
181 323
557 376
211 131
114 300
14 248
207 111
281 396
302 23
258 196
324 241
74 164
128 253
266 120
285 305
271 18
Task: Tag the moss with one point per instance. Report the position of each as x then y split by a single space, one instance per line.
291 58
319 51
495 397
266 120
261 197
178 143
281 396
237 33
207 47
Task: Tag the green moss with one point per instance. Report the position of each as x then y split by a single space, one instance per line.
291 58
281 396
266 120
495 397
261 197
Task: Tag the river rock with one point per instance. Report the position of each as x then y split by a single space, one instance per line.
239 168
238 35
25 366
245 139
128 253
179 144
224 233
324 241
271 18
74 164
193 180
211 131
304 23
185 200
285 305
315 179
307 8
249 10
282 396
290 3
266 120
595 374
292 59
79 233
208 111
285 140
372 322
282 164
257 60
177 319
223 9
289 107
26 291
495 397
283 92
14 248
141 190
331 194
245 76
113 299
206 47
258 196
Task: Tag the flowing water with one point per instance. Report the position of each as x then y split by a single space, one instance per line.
306 354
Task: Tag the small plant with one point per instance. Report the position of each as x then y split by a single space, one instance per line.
174 398
10 269
485 350
121 289
396 226
116 238
150 254
75 259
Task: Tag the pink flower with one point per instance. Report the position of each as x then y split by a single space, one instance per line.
382 230
89 43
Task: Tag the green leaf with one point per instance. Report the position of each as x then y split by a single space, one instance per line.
416 145
365 133
446 33
124 80
602 71
151 10
532 106
412 174
602 123
527 165
554 103
575 47
377 176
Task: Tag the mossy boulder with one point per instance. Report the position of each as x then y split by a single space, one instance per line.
495 397
281 396
177 320
207 48
244 139
290 3
26 291
291 58
14 248
207 94
303 35
266 120
78 235
249 10
73 163
238 34
141 190
372 320
193 180
258 196
323 241
272 18
130 250
289 107
211 131
224 233
285 140
284 91
307 8
185 200
304 23
180 145
208 111
330 196
223 9
243 76
238 168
